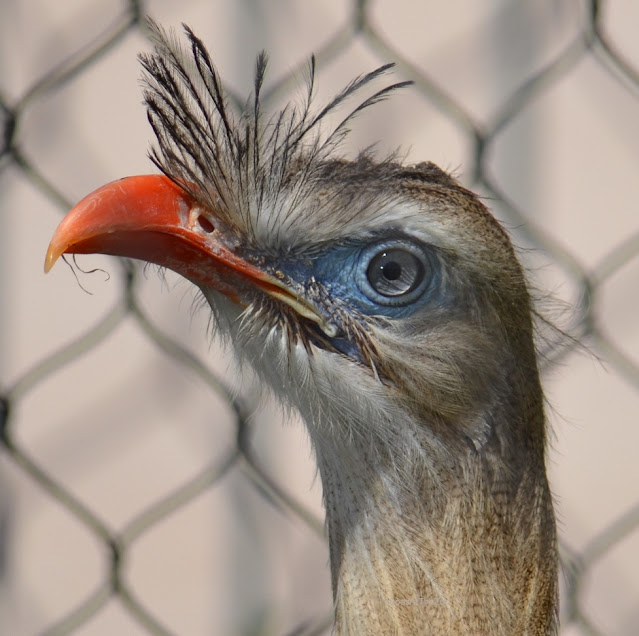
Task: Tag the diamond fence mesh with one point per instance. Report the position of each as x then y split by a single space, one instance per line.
141 491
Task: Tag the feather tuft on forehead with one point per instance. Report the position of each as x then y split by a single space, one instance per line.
241 165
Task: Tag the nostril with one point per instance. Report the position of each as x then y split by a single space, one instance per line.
205 224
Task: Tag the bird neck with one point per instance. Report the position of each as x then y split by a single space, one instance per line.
436 542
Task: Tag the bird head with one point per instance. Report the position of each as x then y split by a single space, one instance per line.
378 299
384 303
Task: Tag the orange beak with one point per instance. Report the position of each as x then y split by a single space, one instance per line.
151 218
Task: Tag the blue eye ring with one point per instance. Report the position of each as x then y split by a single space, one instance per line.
394 273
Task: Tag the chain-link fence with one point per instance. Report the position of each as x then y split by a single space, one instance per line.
138 494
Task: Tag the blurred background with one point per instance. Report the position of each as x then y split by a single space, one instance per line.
143 486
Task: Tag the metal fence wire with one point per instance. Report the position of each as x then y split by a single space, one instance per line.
140 490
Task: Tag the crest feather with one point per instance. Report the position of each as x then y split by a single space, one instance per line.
240 165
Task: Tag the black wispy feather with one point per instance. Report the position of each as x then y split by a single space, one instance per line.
238 164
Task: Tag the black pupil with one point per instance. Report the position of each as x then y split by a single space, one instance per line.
392 270
395 272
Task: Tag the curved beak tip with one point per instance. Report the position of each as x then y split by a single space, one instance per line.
127 204
53 254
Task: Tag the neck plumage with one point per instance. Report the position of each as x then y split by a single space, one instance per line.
459 543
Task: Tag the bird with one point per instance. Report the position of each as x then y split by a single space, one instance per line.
384 303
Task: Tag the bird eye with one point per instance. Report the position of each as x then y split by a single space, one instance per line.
396 273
